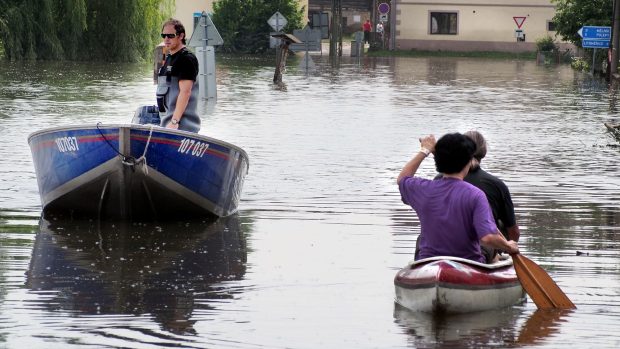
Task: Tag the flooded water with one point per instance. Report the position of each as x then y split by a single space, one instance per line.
309 260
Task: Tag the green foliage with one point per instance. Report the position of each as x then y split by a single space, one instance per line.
578 63
571 15
546 43
109 30
243 23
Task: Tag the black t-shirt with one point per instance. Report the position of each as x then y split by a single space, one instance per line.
184 65
498 196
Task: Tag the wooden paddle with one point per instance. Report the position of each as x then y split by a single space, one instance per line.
539 285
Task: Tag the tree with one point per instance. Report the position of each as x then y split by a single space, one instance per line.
243 23
571 15
110 30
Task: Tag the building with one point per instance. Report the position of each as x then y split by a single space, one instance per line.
354 13
452 25
472 25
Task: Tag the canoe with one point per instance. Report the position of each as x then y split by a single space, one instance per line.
136 172
457 285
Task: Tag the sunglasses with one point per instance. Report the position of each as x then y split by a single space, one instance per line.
169 36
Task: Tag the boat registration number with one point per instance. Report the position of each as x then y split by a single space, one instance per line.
66 144
193 147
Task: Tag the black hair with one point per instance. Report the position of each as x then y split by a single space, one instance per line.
453 152
178 27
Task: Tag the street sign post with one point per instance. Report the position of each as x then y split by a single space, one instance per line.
277 21
204 37
384 8
595 33
594 37
589 43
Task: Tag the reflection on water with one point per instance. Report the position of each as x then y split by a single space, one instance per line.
497 328
164 271
329 230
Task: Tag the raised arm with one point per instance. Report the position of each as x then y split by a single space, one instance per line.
427 144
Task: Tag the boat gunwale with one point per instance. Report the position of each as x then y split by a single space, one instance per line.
146 128
503 263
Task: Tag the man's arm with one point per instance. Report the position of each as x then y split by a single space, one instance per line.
428 146
497 241
185 91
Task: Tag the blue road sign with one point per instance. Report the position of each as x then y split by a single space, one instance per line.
588 43
592 32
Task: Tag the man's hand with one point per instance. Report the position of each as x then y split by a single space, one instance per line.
428 142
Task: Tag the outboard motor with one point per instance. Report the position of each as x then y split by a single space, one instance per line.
146 115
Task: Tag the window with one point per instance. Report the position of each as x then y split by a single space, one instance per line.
444 23
550 26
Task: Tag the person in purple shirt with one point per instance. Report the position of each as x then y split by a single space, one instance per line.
455 216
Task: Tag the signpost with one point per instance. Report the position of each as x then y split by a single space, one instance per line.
384 8
519 21
277 21
310 39
595 33
204 37
589 43
594 37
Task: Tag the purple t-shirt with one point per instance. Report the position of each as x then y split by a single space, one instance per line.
454 215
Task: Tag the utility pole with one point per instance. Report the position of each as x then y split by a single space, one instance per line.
335 41
615 40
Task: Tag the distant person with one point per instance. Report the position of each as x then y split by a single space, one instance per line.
177 90
367 27
496 191
455 216
380 29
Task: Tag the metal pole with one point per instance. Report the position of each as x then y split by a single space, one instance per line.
615 39
593 60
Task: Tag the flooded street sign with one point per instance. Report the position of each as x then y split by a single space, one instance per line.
277 21
203 39
310 39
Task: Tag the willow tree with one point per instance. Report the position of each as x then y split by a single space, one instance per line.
110 30
243 23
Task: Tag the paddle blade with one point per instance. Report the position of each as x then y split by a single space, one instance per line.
539 285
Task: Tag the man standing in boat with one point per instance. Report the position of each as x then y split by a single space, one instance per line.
455 216
177 89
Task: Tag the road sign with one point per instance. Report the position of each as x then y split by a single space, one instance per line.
592 32
519 21
277 21
205 33
383 17
590 43
310 39
384 8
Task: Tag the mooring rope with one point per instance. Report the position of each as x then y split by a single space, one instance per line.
142 159
130 160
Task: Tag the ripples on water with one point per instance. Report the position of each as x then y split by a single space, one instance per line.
321 230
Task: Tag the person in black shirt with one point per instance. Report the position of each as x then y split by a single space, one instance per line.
177 89
495 189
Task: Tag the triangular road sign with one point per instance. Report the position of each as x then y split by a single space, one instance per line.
519 21
205 33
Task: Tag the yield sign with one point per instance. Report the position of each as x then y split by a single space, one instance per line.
519 21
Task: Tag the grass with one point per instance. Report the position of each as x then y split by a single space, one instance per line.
473 54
